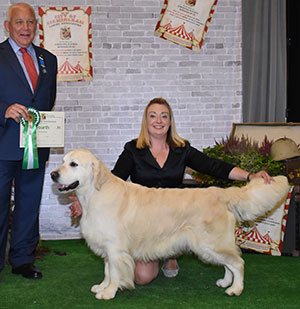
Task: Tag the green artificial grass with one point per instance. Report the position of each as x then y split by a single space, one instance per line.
270 282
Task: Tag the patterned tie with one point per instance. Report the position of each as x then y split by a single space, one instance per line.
30 67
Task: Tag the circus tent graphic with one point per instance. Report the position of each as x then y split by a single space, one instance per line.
69 73
255 236
168 26
180 32
178 35
239 231
79 67
192 36
268 238
254 240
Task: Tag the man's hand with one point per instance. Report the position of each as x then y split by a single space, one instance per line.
15 112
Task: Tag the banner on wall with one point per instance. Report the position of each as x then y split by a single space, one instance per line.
67 33
266 234
185 22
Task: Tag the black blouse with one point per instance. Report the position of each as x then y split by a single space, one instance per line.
143 169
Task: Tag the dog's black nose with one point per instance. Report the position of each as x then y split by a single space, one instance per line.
54 175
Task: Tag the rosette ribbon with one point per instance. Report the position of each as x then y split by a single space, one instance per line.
30 158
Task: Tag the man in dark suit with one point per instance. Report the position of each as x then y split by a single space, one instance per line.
17 92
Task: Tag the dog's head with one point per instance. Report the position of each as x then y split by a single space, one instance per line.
80 169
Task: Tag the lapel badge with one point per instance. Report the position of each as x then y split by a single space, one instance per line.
42 64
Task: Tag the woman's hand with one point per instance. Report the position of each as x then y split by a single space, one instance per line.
76 209
239 174
262 174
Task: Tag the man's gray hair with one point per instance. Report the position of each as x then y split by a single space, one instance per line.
18 5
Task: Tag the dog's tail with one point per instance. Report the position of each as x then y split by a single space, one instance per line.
256 198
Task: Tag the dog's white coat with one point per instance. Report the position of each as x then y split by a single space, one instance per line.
125 222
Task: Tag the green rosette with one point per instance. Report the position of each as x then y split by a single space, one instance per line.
30 158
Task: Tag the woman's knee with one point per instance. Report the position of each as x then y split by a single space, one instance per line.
144 273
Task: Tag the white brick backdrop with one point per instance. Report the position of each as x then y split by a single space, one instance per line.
132 66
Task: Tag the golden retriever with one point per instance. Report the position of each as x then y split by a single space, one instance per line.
125 222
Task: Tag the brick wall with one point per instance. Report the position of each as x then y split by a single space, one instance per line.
132 66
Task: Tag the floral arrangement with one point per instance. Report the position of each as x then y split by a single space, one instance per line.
244 153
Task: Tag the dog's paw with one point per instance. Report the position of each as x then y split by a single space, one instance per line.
234 291
98 288
223 283
108 293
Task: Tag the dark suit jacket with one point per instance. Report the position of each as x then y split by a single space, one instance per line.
14 88
143 169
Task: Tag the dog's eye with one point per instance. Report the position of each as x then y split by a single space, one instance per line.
73 164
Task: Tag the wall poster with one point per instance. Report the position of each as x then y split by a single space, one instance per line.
185 22
67 33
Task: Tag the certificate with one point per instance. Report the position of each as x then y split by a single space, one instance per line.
50 131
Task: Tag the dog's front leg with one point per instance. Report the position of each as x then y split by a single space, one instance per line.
97 288
120 274
109 287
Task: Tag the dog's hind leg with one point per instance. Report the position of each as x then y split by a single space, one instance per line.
236 266
100 287
234 271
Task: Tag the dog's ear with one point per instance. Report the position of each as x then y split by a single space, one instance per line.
100 174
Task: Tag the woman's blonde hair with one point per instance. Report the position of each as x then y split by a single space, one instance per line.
173 139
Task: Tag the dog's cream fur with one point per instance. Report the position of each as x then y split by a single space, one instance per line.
125 222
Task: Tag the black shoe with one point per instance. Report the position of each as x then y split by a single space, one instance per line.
27 271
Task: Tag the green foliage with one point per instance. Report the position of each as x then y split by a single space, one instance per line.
244 154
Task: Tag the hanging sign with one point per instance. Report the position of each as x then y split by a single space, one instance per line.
67 33
185 22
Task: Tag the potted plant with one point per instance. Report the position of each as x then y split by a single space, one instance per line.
244 153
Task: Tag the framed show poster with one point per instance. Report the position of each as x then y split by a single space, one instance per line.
185 22
265 234
67 33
